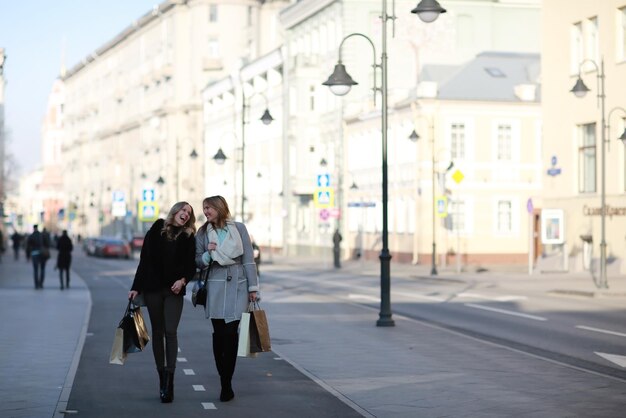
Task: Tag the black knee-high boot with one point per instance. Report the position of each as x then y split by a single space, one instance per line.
228 366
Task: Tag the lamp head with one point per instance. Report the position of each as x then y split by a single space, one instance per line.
219 157
623 137
428 10
414 136
160 181
266 118
340 81
579 89
354 186
193 154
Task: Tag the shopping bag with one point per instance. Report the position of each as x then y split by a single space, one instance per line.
140 326
259 330
135 337
118 356
243 347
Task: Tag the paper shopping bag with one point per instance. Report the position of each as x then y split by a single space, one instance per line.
243 348
140 327
118 356
259 331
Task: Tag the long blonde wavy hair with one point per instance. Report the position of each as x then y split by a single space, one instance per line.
171 230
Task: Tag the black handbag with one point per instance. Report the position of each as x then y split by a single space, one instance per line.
200 292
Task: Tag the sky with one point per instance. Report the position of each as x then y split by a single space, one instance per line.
36 35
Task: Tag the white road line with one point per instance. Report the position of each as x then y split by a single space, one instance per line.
198 388
504 311
181 359
503 298
366 297
208 405
189 372
604 331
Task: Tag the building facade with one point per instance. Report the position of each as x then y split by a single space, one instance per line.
589 41
133 114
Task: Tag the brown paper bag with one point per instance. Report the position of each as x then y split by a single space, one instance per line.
259 330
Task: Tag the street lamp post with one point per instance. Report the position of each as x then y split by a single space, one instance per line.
580 90
414 137
340 84
220 157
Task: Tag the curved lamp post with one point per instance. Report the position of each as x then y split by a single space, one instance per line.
220 157
580 90
340 84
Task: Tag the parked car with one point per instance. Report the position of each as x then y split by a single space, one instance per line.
111 247
136 243
89 245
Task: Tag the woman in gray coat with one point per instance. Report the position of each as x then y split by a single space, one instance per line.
225 246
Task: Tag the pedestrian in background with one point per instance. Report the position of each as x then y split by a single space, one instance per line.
225 246
39 251
64 258
337 238
166 265
16 238
1 244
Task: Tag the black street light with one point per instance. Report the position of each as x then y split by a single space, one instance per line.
220 157
580 90
160 181
340 83
193 154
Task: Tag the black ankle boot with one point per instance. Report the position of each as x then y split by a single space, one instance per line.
168 385
227 390
161 382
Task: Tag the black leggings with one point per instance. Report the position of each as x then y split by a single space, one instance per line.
165 309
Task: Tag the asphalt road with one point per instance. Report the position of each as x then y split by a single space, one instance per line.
265 386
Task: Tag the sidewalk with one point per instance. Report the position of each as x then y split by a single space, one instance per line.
575 284
41 338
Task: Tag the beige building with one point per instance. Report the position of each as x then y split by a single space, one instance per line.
587 40
133 114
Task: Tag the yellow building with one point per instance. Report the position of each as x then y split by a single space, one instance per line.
588 39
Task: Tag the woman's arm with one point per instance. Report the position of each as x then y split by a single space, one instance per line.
247 259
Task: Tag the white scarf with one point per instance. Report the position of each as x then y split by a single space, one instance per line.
230 248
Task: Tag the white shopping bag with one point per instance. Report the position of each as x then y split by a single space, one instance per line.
243 349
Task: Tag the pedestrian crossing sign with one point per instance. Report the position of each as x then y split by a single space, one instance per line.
148 211
324 197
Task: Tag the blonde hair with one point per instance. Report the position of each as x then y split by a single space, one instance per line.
221 207
171 230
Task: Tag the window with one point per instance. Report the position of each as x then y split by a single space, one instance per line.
621 34
587 159
213 13
214 48
504 143
312 98
504 217
457 140
592 39
456 212
576 46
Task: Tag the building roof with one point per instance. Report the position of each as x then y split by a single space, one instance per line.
490 76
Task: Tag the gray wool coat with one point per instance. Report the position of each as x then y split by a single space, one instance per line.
228 286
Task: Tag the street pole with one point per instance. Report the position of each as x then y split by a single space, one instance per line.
580 90
243 153
433 269
602 96
384 319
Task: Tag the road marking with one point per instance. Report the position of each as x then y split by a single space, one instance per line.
366 297
504 298
198 388
615 358
604 331
182 359
208 405
504 311
189 372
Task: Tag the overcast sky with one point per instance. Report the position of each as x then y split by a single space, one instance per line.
34 34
